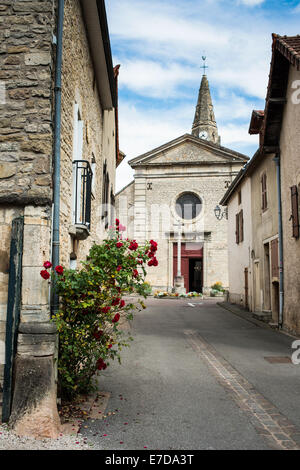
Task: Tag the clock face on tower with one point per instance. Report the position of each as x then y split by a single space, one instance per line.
203 135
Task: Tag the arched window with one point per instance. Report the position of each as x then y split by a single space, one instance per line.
188 206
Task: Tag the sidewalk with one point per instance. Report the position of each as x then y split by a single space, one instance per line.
243 313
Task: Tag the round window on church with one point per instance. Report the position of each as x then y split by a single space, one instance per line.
188 206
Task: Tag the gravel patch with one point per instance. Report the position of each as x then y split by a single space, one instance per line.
10 441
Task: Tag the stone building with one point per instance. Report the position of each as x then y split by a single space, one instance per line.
173 198
274 174
58 154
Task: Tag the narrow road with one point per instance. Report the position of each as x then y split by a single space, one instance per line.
196 377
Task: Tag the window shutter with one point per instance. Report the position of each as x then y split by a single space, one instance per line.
295 211
237 228
264 192
275 258
241 226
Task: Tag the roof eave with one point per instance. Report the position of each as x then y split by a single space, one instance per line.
95 18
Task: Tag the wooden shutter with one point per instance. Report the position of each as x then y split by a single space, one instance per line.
237 228
264 202
275 258
241 226
295 211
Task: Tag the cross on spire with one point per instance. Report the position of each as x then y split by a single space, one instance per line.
204 66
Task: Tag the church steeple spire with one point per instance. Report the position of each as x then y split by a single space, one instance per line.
205 125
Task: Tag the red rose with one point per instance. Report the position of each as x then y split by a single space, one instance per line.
47 265
150 263
115 302
59 270
133 245
97 334
119 244
116 318
45 274
105 309
122 303
100 365
119 268
155 262
117 222
109 346
151 254
135 273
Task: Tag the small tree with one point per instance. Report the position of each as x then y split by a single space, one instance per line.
92 304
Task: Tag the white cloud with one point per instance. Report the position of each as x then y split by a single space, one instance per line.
160 44
296 9
153 79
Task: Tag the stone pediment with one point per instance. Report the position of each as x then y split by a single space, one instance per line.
188 149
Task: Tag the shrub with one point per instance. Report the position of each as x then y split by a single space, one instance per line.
218 287
91 308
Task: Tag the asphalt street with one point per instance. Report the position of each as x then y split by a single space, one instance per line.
196 377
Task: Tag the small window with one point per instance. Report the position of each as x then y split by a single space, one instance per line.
240 197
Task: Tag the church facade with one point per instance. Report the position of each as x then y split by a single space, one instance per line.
174 199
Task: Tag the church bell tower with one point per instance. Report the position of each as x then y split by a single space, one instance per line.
205 126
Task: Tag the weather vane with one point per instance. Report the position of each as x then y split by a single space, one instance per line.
204 66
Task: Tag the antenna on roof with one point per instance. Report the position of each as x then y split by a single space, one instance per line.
204 66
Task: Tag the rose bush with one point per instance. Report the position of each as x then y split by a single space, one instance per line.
91 307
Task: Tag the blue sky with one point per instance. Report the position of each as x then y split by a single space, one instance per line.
159 44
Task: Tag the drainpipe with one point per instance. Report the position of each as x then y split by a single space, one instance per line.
280 241
57 136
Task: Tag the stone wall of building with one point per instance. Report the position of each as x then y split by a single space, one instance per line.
165 190
26 33
79 88
26 51
290 176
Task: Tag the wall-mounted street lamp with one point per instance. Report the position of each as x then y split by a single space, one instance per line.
219 214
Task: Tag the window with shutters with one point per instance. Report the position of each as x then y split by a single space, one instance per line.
82 175
264 199
295 211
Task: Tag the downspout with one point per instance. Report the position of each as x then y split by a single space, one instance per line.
280 240
57 137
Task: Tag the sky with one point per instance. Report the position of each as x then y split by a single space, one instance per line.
160 44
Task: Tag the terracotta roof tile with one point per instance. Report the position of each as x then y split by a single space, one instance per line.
289 46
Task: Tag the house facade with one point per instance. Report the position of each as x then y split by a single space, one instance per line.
172 199
58 155
273 175
238 202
